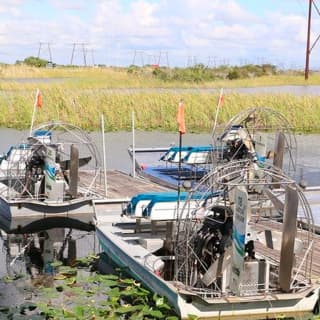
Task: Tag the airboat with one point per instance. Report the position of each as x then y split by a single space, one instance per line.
41 187
245 248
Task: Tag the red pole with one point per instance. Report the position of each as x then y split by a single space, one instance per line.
306 72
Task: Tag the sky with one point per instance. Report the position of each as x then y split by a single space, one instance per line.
166 32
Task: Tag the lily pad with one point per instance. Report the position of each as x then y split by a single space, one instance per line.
56 264
129 309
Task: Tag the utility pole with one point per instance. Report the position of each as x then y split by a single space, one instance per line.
306 72
310 47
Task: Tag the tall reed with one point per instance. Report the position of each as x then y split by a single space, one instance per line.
81 95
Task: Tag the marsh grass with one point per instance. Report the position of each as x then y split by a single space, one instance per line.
82 95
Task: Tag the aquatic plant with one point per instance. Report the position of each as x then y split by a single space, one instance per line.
78 293
98 296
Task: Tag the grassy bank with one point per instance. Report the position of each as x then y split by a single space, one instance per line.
81 95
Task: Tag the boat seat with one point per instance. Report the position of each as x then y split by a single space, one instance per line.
151 244
153 226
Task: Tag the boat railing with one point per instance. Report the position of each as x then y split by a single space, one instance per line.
299 269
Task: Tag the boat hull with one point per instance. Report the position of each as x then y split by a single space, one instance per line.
32 215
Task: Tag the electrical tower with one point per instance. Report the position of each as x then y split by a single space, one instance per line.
135 54
191 61
165 54
49 49
84 52
309 46
152 59
92 57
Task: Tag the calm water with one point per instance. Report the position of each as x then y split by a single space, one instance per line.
117 143
290 89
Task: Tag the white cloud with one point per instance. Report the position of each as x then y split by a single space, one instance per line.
11 7
222 28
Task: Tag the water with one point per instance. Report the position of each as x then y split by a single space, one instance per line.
289 89
117 144
300 90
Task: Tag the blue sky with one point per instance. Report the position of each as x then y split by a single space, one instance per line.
174 32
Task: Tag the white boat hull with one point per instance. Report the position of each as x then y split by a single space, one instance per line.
143 266
32 215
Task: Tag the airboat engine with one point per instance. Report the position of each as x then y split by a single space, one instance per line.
239 144
34 176
214 236
44 177
225 250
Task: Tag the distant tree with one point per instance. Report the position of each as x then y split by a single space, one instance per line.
35 62
233 74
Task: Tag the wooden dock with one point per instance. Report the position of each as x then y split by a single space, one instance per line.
119 184
261 226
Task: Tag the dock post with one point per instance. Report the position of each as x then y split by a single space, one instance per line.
288 238
170 232
138 225
72 251
74 171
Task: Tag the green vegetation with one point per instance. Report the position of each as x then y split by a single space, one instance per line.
199 73
34 62
78 293
81 95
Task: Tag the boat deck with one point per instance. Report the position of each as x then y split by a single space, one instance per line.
109 219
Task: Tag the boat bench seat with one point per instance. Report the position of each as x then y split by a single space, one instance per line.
153 226
151 244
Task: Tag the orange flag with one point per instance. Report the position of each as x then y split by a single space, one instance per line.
221 100
180 118
39 99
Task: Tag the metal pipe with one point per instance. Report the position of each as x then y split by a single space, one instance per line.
104 156
133 148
